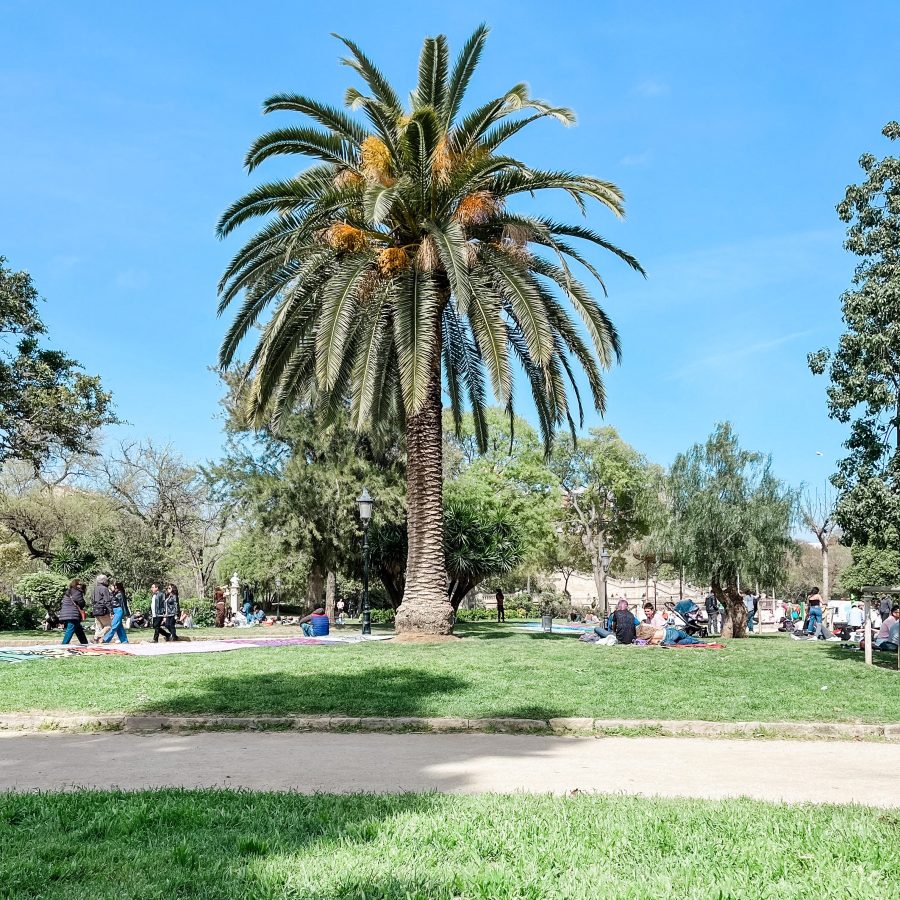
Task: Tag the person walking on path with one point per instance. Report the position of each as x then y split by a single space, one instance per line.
172 610
158 613
712 613
501 610
71 612
750 603
119 611
101 607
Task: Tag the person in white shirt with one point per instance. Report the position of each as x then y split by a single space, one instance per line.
856 617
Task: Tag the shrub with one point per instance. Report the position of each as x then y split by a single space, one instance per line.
382 617
15 615
45 588
203 611
478 614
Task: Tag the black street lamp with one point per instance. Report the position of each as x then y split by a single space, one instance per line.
604 561
365 516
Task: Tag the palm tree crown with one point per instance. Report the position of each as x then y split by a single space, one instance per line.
395 256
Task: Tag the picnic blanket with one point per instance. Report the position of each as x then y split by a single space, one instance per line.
59 651
570 628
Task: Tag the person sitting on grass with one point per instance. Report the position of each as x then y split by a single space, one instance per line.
621 623
668 635
654 617
258 615
316 623
889 634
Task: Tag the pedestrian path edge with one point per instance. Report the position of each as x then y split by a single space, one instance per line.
146 723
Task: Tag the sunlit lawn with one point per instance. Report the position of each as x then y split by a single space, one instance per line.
494 671
217 844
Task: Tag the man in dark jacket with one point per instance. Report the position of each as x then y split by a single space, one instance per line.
101 607
70 612
158 613
712 613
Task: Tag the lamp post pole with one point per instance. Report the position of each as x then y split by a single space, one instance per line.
365 516
367 612
604 561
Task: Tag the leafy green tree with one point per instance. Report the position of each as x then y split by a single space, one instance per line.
47 405
299 486
872 565
483 538
396 259
865 369
608 491
514 464
43 588
261 560
734 520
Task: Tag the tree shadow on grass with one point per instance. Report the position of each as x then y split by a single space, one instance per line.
879 660
378 690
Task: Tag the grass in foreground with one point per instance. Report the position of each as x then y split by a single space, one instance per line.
495 671
216 844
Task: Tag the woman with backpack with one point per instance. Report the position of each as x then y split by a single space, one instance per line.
71 612
120 611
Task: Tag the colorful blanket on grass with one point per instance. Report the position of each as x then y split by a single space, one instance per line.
59 651
569 628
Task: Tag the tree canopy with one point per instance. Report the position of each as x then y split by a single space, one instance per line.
47 405
864 371
732 518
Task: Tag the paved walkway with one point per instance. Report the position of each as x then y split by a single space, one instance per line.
455 763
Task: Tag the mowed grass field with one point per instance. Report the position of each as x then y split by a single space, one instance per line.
219 844
493 671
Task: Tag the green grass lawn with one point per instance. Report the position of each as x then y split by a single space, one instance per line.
212 844
494 671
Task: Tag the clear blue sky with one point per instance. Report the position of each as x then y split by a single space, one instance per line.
732 128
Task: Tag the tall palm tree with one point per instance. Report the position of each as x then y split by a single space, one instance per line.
394 259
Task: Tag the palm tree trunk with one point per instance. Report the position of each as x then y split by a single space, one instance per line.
426 609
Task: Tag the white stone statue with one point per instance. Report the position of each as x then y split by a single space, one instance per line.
234 592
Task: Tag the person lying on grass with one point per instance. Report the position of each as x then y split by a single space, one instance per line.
668 635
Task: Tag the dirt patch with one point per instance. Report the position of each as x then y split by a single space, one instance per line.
426 638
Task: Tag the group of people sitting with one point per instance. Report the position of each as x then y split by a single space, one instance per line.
885 619
622 626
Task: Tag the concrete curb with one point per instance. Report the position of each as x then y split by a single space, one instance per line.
40 722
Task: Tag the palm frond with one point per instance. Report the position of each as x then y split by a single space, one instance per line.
463 68
451 245
337 316
369 72
433 62
415 302
301 141
332 118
